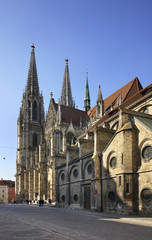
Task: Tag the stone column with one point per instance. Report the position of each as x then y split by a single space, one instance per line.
97 176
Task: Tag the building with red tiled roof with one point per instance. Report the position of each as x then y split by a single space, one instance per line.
118 97
99 159
7 191
112 169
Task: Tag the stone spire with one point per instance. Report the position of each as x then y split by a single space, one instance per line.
100 104
32 87
66 95
86 96
99 95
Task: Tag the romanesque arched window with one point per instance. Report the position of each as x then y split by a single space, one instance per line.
34 110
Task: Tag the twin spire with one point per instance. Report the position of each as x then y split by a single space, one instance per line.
66 95
32 87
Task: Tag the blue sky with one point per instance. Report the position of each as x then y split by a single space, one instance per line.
110 38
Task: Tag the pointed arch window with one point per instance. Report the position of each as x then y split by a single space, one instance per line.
34 140
58 141
35 110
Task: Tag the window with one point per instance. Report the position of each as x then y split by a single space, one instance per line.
112 196
75 173
119 181
75 198
62 176
34 110
147 153
122 158
58 141
146 194
89 168
113 162
127 188
63 198
34 140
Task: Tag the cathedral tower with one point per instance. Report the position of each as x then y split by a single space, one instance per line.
30 132
66 95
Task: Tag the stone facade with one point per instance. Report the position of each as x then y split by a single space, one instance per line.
118 149
99 159
42 143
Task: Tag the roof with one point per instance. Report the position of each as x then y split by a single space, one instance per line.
73 115
8 183
127 104
118 97
145 121
2 183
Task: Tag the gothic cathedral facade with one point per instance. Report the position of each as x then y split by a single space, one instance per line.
98 159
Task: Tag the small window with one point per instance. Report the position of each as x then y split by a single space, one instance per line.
63 198
113 162
62 176
112 196
119 181
75 173
147 153
34 111
75 198
146 194
122 158
89 168
127 188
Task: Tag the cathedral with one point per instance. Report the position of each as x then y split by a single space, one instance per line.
98 159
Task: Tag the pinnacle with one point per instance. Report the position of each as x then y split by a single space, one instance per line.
32 87
66 95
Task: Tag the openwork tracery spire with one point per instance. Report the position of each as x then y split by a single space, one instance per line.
66 95
32 87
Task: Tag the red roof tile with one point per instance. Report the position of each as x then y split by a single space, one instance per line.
125 93
73 115
127 103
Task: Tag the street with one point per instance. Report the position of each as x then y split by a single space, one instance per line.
33 222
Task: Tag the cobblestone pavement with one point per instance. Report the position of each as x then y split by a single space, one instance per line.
19 222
